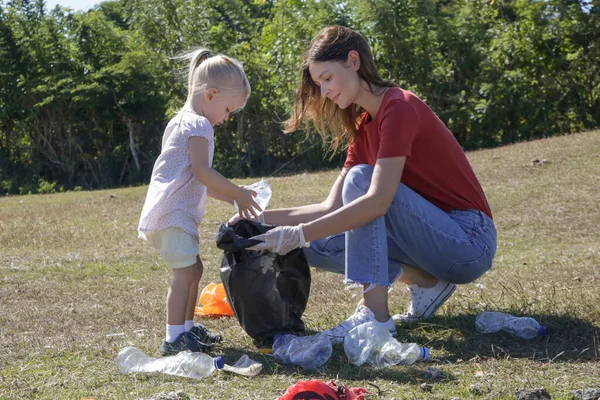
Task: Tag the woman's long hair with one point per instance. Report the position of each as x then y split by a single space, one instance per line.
333 43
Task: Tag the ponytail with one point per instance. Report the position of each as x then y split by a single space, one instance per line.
196 57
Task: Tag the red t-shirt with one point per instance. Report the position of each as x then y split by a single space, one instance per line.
436 166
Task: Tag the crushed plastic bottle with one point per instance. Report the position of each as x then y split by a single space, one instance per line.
244 366
186 363
263 195
375 345
523 327
309 352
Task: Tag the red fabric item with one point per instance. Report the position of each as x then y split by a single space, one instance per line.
318 390
436 166
357 393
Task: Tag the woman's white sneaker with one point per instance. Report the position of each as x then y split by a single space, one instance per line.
362 315
425 301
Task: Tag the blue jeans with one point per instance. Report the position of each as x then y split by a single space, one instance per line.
456 246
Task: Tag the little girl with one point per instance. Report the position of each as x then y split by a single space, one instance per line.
181 179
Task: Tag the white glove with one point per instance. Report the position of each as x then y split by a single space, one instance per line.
281 240
236 218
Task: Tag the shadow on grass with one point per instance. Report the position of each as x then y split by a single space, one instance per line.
337 367
569 339
452 340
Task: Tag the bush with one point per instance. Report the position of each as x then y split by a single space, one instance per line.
45 187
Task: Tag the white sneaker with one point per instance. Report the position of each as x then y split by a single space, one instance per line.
425 301
361 315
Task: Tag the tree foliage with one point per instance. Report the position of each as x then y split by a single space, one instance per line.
85 96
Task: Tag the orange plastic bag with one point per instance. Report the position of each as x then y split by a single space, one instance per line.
213 300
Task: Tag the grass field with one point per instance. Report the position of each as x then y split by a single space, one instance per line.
73 274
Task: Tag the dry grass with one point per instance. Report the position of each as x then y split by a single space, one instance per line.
73 272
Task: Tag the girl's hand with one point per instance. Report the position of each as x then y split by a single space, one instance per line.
247 207
237 218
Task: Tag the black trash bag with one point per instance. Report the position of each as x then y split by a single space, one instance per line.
267 292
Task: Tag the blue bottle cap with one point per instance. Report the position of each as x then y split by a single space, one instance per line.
425 353
542 331
219 362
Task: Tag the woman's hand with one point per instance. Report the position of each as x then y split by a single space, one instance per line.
247 207
281 240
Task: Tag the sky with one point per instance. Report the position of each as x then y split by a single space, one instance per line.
73 4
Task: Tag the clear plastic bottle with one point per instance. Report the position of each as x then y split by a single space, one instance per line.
309 352
187 364
523 327
375 345
263 195
244 366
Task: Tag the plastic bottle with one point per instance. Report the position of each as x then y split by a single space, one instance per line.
187 364
263 195
375 345
244 366
523 327
309 352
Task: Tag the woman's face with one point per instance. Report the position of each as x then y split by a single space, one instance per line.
338 81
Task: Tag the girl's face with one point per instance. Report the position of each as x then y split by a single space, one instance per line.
338 81
217 106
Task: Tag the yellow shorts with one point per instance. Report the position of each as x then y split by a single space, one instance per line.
178 248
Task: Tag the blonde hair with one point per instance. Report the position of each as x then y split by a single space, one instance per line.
206 70
333 43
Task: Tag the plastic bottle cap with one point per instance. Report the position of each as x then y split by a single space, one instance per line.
219 362
425 353
542 331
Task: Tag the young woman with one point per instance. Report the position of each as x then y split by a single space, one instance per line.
407 205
